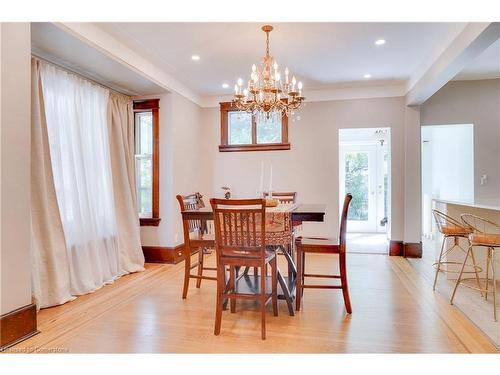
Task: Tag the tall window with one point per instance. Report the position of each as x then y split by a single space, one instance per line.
241 131
147 160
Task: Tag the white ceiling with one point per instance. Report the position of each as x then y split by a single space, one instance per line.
322 55
57 46
485 66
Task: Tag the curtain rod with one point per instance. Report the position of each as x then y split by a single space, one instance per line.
67 70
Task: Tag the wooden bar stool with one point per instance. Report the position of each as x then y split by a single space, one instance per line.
485 235
305 245
452 229
240 233
196 240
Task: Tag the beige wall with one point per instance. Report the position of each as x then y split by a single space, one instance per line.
311 166
183 167
15 88
478 103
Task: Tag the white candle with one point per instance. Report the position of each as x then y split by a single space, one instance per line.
261 186
271 181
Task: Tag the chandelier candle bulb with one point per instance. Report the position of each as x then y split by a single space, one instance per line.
261 185
271 181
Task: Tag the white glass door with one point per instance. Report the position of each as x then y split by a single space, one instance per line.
358 176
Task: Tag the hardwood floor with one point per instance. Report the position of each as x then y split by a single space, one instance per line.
468 301
394 311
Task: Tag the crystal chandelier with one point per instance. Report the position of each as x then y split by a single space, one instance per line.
268 94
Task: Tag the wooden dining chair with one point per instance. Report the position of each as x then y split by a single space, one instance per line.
196 240
284 197
240 241
306 245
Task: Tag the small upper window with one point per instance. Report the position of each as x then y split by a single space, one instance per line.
241 131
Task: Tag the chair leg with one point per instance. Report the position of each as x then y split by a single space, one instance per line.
187 270
494 284
232 286
488 258
274 281
200 267
263 304
303 274
220 288
439 263
298 287
475 271
343 280
460 275
255 271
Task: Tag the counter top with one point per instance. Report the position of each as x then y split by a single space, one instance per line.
492 207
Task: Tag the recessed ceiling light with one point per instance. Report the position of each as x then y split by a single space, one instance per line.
367 75
195 57
380 42
225 85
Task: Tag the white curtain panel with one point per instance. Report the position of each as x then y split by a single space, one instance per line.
50 267
121 138
76 114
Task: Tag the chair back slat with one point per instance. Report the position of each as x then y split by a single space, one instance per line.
239 227
343 222
284 197
193 202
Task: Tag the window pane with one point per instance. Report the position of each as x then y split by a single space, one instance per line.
144 128
269 130
144 165
356 183
239 128
144 185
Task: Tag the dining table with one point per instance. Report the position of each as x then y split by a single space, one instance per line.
280 223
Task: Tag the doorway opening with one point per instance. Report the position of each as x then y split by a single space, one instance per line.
365 172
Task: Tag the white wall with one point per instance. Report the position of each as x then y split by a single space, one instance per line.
451 170
183 167
15 88
311 166
477 103
447 166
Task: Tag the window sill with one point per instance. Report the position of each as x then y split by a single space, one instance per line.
149 221
257 147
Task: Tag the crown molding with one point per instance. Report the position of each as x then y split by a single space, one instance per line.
323 95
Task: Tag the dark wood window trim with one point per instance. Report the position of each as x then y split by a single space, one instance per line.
153 105
224 146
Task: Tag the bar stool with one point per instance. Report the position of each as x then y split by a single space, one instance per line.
451 228
485 234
